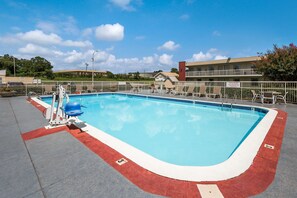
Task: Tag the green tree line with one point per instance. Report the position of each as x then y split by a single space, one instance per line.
35 67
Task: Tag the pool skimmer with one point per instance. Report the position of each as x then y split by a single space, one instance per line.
268 146
121 161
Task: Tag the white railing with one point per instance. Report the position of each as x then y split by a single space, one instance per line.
230 72
145 87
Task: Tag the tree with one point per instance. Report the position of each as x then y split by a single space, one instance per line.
109 74
155 72
279 63
40 67
7 63
137 76
35 67
174 70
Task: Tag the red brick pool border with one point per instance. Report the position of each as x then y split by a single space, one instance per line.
253 181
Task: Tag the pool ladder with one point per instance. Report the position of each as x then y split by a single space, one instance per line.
231 104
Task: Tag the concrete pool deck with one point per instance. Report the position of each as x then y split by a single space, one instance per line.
59 165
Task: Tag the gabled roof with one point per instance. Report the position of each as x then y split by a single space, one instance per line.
166 74
173 79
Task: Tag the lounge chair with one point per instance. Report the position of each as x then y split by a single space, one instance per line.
216 92
78 89
255 95
134 87
90 88
281 97
48 89
154 88
267 96
190 90
202 91
179 90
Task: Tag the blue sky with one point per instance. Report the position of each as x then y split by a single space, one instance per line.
143 35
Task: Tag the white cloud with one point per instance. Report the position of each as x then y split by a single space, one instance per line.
34 49
69 25
109 32
59 24
9 39
148 60
211 54
74 56
87 32
71 43
219 57
46 26
123 4
202 57
169 45
166 59
103 60
39 37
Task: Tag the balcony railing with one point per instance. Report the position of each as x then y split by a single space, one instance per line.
230 72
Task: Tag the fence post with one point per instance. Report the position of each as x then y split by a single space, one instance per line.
225 89
26 90
240 92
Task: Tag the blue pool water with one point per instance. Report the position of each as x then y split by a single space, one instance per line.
173 131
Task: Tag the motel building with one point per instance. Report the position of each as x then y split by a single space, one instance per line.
231 69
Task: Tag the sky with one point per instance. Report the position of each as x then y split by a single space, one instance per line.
143 35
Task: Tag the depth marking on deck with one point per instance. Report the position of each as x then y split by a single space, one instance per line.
268 146
121 161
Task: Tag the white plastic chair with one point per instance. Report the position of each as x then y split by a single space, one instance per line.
255 95
267 96
281 97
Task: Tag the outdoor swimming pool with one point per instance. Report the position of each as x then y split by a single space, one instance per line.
181 134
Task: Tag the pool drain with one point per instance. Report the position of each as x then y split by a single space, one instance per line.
121 161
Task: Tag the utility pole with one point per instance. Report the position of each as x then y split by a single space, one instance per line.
13 66
93 59
86 66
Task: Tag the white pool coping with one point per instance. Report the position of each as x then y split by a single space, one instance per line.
238 162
